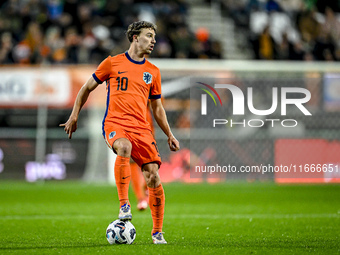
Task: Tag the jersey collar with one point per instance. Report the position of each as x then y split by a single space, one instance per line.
134 61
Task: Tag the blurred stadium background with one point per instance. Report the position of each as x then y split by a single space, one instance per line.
49 48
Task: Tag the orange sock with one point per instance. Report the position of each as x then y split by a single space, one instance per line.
123 176
156 203
137 181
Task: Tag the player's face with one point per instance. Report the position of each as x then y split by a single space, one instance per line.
146 40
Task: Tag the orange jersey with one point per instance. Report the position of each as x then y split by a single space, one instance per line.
129 85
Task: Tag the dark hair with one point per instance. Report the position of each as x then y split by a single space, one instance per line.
136 27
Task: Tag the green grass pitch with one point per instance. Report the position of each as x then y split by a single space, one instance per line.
229 218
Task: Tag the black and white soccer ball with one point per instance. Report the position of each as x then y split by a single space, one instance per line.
120 232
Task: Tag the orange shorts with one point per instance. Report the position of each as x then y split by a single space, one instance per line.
144 146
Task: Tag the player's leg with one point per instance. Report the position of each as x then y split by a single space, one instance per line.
156 200
138 182
123 147
149 159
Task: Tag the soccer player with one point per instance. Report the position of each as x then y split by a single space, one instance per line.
130 81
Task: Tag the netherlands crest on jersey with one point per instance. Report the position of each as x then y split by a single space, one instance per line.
112 134
147 77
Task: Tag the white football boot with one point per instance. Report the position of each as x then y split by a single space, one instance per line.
158 238
125 212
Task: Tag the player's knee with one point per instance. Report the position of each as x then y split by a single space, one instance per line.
153 180
123 148
151 176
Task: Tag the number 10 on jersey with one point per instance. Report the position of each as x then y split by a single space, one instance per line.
123 83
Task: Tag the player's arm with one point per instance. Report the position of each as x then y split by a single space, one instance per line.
83 94
162 121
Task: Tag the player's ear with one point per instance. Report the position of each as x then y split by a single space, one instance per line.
135 37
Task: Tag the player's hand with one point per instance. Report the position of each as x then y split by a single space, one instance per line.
173 143
70 126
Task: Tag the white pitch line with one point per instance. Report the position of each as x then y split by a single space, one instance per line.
46 217
261 216
177 216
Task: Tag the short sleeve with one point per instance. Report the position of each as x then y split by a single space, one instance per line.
156 88
103 71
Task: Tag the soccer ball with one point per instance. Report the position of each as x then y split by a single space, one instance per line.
120 232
